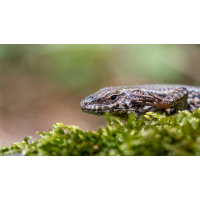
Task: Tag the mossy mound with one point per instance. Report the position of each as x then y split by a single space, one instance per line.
152 134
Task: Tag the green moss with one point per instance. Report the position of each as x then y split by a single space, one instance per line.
151 134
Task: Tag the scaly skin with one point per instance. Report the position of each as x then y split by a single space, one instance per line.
120 101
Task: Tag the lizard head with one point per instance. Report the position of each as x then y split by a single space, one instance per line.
114 100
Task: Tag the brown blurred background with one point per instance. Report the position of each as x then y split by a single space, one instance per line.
44 84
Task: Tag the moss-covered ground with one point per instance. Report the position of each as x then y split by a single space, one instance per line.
148 135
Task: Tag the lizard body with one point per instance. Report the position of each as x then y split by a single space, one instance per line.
120 101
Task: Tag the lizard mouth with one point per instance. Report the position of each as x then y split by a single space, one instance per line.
111 111
99 109
92 109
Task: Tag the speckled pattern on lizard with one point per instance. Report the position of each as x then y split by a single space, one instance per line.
120 101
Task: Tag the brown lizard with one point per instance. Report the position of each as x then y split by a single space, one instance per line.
122 100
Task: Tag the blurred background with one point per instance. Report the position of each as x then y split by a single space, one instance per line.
44 84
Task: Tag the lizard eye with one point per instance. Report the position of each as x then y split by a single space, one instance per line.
114 97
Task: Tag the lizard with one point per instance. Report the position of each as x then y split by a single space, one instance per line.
120 101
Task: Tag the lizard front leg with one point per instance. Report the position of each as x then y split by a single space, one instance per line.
177 99
150 107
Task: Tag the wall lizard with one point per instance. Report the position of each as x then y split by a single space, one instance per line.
122 100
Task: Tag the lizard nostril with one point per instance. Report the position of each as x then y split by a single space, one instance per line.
89 98
85 102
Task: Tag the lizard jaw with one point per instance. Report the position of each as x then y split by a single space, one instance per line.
100 110
87 106
94 112
91 109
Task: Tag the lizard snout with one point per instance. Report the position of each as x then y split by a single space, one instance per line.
86 102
